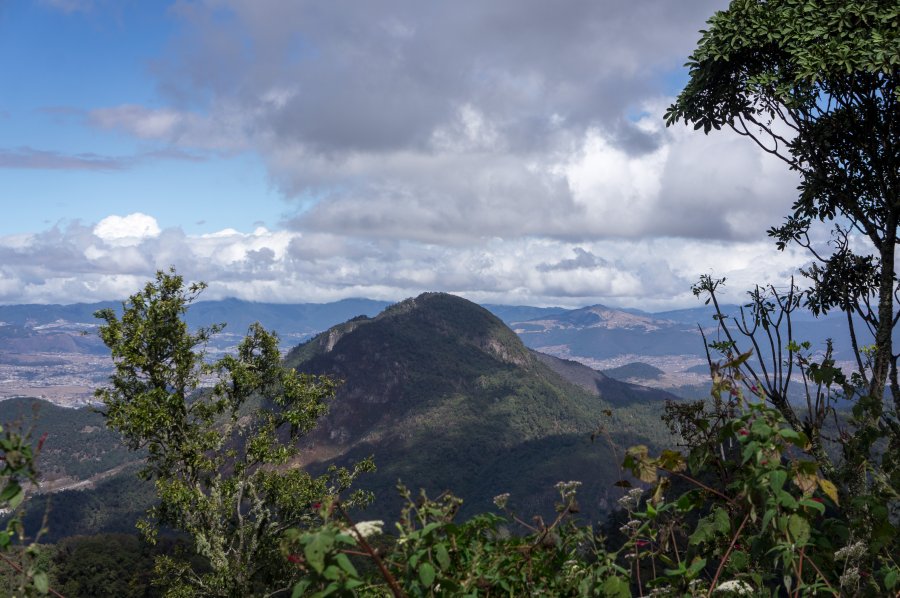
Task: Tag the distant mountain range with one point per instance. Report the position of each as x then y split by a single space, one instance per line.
42 328
595 331
598 332
439 390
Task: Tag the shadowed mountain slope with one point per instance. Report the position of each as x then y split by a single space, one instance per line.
615 392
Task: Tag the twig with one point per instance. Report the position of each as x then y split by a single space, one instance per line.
637 569
545 530
800 572
523 524
737 534
675 545
396 590
698 483
822 575
22 572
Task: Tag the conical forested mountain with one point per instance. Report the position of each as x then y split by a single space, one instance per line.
446 397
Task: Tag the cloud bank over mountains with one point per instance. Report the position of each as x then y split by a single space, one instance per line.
512 151
81 263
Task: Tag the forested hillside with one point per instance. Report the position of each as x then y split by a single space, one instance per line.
446 397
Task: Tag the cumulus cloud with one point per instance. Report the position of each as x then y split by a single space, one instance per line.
126 230
510 151
114 257
448 123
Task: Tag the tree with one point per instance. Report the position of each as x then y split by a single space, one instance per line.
815 83
220 437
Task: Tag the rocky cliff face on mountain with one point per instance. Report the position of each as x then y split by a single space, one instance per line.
446 396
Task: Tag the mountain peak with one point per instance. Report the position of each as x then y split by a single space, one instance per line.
440 315
447 396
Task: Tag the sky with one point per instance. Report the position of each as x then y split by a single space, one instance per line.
511 151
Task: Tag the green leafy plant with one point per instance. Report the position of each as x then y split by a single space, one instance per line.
18 467
433 554
220 438
815 83
765 518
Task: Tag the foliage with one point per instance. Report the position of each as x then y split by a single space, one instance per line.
815 82
17 469
770 518
104 565
111 506
856 450
219 439
433 554
80 445
744 511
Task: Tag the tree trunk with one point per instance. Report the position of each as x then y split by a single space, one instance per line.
883 334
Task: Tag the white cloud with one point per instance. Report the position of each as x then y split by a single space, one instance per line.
126 230
222 129
485 148
448 124
76 264
142 122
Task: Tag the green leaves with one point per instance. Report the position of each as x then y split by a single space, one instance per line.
616 587
799 529
12 494
426 574
432 554
217 455
41 582
709 528
442 556
316 548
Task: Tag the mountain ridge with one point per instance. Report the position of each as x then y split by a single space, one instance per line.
446 396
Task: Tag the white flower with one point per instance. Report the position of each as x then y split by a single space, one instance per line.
568 487
630 527
501 499
853 552
632 499
850 578
735 587
369 528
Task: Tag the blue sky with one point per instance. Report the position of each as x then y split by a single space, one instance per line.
510 152
58 65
